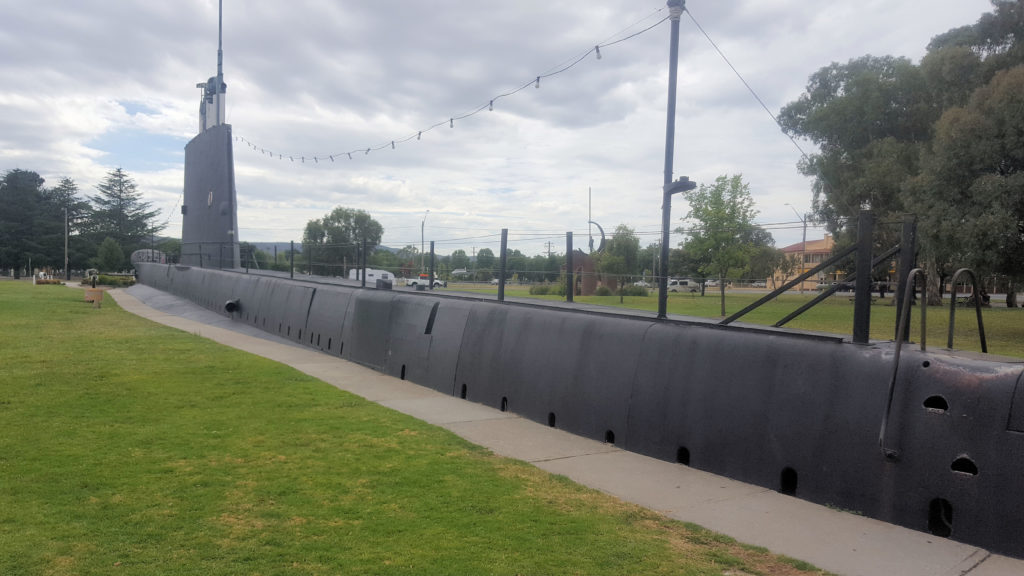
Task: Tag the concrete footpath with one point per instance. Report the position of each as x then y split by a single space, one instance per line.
836 541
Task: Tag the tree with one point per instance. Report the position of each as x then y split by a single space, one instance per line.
869 118
460 260
118 212
485 263
720 226
21 197
110 257
64 197
970 196
621 256
935 139
337 237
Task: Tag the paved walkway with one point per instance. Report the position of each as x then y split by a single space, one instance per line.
836 541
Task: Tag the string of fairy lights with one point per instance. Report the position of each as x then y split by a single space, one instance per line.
393 143
489 104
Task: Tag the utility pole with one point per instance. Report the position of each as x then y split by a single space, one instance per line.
548 244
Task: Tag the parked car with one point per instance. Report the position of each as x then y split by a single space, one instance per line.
682 285
711 283
641 284
494 281
759 284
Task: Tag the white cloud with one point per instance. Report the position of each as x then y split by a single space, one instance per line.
314 77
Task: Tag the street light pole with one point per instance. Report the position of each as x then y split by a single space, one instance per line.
676 8
422 244
803 244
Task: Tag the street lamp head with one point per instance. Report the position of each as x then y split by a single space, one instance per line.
683 184
793 208
676 7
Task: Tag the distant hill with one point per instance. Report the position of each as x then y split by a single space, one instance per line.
282 247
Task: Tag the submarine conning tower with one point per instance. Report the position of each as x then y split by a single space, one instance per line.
209 211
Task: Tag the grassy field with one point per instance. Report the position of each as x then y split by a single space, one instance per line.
131 448
1004 327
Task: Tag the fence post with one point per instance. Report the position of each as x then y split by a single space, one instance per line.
291 261
908 261
363 263
200 254
504 264
432 265
570 286
862 288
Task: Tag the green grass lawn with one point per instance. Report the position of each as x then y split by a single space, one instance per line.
127 447
1004 327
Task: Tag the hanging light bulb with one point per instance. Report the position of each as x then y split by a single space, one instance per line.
349 155
537 85
367 152
598 50
392 144
490 107
315 161
418 134
332 158
451 122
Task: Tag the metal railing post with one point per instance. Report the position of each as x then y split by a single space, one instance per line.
291 261
362 265
902 323
570 282
503 265
977 307
908 261
862 287
432 269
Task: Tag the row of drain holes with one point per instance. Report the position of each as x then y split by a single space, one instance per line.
940 510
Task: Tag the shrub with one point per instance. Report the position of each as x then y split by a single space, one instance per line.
540 289
631 290
108 280
602 291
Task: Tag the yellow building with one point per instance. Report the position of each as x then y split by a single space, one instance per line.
811 253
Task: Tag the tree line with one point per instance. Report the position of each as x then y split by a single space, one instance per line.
942 139
723 243
100 230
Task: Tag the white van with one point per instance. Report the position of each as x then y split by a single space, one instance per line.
682 285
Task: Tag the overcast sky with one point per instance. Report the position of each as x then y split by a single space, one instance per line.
90 85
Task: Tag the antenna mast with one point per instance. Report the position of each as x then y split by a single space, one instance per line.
220 52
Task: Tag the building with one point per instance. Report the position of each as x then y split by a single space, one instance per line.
811 253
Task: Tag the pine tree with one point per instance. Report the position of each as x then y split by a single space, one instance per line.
120 213
21 198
